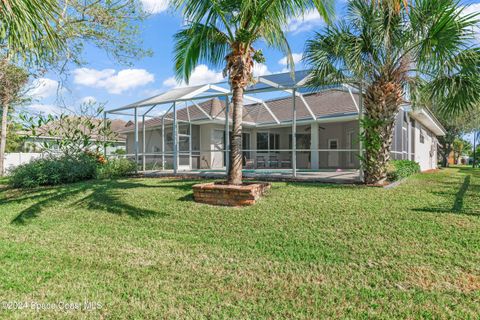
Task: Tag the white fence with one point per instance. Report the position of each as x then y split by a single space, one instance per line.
13 160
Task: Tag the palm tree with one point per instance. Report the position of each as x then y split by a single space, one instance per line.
28 34
29 29
223 33
395 53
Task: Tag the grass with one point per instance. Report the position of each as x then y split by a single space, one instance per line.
143 249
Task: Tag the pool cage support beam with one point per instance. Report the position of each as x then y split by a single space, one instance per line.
294 134
163 143
143 143
105 134
189 137
227 134
175 139
136 138
360 132
163 137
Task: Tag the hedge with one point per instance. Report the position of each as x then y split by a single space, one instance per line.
400 169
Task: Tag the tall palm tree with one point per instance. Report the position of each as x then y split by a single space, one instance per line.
223 33
396 53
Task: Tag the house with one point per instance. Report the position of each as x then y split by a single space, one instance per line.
325 124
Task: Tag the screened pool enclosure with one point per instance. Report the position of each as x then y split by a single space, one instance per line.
287 128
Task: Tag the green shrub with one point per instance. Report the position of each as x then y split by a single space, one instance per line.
400 169
115 168
53 171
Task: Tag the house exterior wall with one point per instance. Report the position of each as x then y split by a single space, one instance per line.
208 145
425 148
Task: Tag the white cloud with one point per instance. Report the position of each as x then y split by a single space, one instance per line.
43 88
200 75
88 99
43 108
113 82
155 6
260 69
297 57
306 22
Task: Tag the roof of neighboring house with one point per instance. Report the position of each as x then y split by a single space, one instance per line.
117 126
329 103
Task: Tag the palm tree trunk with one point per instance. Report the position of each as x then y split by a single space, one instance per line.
3 138
382 101
235 169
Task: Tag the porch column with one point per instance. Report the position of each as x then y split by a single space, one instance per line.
227 134
294 134
175 139
163 143
314 156
143 143
136 138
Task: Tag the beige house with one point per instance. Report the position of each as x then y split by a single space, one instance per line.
325 123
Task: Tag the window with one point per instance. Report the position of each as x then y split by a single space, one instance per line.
422 135
262 141
302 141
274 141
351 154
268 141
246 144
183 128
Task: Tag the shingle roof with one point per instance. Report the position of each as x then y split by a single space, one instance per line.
332 102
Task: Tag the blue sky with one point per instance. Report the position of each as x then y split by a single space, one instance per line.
104 80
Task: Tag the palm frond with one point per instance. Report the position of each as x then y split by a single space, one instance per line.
198 42
28 28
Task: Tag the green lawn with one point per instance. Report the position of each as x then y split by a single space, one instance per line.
143 249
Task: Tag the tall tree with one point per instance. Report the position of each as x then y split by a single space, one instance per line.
224 33
27 34
51 34
384 48
12 81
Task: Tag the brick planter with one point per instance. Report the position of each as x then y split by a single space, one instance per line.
218 193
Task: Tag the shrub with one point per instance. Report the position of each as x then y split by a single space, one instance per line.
115 168
400 169
53 171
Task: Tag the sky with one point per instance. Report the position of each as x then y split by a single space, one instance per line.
104 80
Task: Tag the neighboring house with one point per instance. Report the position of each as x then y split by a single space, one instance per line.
35 144
327 134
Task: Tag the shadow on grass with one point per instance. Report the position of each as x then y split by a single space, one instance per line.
459 200
101 195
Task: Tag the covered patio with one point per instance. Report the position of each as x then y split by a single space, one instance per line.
286 135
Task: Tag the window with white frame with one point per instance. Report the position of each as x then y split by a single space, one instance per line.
422 135
268 141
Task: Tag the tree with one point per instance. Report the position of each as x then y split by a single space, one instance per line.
223 33
112 26
12 80
461 147
72 134
28 34
455 125
51 34
387 50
